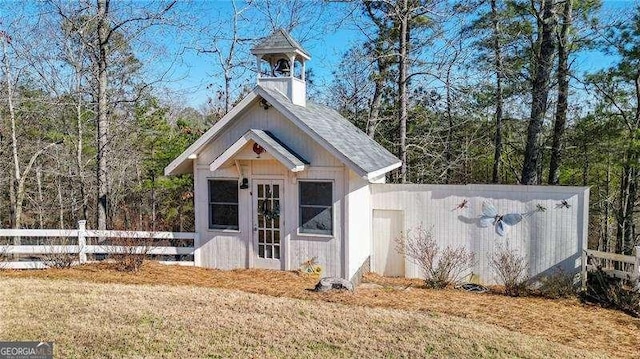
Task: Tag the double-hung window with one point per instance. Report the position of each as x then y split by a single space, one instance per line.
316 207
223 204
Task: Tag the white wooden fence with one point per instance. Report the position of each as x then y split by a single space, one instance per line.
552 235
614 265
82 248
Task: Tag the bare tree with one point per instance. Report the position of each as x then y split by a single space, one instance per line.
562 103
18 181
545 47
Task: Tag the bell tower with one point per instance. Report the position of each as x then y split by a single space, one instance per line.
280 64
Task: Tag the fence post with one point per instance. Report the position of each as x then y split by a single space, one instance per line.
583 274
82 241
197 260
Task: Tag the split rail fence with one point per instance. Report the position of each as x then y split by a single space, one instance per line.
620 266
90 244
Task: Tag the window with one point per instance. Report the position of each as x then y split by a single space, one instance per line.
223 204
316 207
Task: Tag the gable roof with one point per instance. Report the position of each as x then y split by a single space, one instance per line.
324 125
353 147
291 160
279 41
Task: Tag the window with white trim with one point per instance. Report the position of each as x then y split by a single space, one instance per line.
223 204
316 207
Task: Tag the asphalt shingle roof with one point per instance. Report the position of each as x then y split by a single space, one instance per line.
280 147
339 133
279 40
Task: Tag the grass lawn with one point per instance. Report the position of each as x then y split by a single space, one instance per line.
91 311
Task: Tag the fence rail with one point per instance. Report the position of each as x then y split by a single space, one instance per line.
82 248
615 265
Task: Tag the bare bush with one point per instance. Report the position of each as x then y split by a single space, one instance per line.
559 284
441 268
4 257
55 257
610 292
511 270
129 253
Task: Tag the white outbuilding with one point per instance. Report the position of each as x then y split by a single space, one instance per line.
280 180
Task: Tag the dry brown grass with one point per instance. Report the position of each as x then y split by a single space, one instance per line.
566 321
91 320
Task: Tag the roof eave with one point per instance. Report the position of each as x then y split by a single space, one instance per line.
371 176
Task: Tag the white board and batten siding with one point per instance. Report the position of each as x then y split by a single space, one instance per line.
358 230
549 239
227 249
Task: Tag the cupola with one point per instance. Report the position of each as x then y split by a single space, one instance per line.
280 64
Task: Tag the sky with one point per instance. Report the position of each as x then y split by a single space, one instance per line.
191 77
319 35
326 43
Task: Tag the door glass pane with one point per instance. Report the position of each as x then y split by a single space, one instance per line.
261 251
269 234
260 190
267 191
276 237
268 253
276 191
260 236
276 222
276 252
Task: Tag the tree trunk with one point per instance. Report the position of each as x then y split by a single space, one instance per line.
540 93
563 93
103 141
497 50
40 196
449 146
16 204
376 101
403 65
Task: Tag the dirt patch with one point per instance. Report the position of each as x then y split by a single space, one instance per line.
564 321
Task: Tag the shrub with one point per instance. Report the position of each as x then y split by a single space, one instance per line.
129 253
441 268
611 292
511 271
59 259
559 284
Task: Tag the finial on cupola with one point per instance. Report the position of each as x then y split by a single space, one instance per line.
281 65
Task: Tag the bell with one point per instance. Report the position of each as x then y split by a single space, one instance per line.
283 66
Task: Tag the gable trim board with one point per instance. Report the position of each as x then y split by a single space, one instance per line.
180 165
292 161
281 103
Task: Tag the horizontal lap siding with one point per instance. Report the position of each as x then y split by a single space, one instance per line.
546 239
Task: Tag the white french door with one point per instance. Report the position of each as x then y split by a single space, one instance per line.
267 223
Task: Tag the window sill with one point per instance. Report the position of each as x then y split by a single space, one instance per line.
217 230
315 236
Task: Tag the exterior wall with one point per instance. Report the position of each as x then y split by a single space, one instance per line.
359 223
268 120
226 249
547 239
